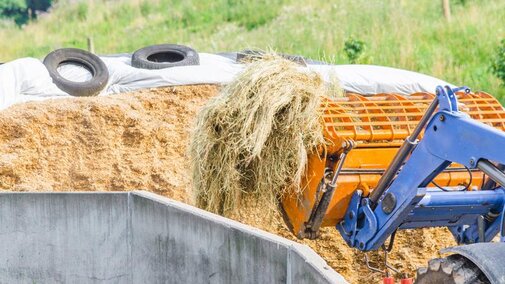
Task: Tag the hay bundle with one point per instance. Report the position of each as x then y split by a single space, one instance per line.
254 137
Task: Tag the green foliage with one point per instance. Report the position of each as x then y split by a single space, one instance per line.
39 5
459 2
498 65
353 49
245 12
7 6
11 6
18 10
145 8
14 9
82 11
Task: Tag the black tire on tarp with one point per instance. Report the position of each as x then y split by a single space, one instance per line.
87 60
164 56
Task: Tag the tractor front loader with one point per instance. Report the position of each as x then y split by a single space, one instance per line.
402 162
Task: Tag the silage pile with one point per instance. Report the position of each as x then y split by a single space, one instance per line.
140 141
124 142
254 136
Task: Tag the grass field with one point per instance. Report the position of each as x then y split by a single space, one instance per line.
401 33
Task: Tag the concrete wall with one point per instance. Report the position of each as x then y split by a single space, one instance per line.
140 237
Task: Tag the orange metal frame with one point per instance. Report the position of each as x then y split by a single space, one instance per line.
378 124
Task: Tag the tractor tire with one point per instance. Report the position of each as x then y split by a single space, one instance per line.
164 56
93 63
454 269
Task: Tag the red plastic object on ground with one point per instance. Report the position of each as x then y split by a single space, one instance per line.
388 280
407 281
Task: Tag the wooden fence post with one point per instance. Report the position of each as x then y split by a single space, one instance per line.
91 45
447 9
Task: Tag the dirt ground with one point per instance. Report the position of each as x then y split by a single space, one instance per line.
138 141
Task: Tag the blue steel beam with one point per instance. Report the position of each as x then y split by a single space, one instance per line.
451 209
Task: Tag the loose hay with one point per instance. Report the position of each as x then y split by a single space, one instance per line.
254 137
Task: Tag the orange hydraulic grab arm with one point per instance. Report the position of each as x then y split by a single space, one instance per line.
377 124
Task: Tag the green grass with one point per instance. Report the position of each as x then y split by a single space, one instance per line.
400 33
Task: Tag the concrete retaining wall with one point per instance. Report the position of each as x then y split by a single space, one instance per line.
139 237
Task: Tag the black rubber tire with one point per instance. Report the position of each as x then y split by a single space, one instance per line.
97 68
454 269
164 56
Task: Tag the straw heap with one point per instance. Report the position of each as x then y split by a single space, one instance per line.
254 137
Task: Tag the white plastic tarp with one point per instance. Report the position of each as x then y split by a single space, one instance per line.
27 79
371 79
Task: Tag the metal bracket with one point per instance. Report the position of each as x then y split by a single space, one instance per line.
371 221
348 227
319 211
447 97
358 209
